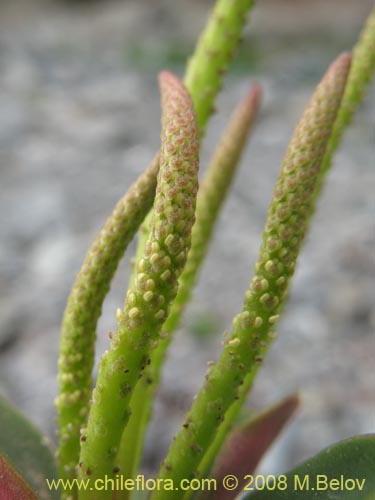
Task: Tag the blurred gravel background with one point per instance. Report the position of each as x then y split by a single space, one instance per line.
79 120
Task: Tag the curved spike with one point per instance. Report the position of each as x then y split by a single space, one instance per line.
252 329
361 71
211 196
155 286
83 310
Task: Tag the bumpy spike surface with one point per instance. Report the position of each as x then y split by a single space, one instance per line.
217 182
83 310
361 72
204 74
155 286
211 196
253 328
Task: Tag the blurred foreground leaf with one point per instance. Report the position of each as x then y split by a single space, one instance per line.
12 484
344 471
23 447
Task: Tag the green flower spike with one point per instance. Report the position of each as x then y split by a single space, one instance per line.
83 310
214 50
208 64
361 71
148 300
215 186
210 199
253 328
360 75
205 72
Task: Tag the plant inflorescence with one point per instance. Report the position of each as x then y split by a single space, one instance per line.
101 431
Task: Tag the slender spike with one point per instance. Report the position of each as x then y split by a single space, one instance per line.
155 286
203 79
213 53
209 62
251 335
217 182
204 73
83 311
211 197
361 73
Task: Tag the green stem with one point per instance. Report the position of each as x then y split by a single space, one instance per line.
149 298
253 328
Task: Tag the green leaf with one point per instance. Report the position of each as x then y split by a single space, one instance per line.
246 446
12 484
344 471
22 445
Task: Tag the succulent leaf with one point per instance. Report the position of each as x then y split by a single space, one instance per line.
253 328
155 286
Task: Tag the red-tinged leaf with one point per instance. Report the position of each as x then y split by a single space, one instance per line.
246 446
12 484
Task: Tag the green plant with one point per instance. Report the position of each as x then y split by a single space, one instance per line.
104 437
